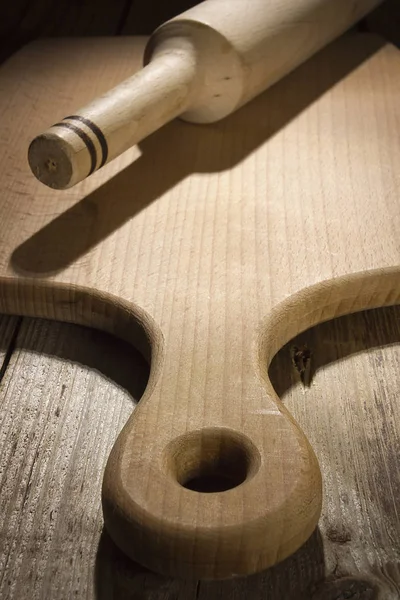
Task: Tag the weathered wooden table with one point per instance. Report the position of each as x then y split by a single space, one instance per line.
65 393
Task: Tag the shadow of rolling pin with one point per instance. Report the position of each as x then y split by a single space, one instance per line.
202 66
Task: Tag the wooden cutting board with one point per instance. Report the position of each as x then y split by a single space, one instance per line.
208 247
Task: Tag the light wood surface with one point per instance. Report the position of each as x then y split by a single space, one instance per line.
66 394
209 248
202 65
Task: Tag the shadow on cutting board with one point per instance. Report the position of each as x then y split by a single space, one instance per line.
183 149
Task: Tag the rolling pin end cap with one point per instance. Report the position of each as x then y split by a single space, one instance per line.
50 161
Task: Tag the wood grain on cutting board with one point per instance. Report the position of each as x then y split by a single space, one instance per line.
205 249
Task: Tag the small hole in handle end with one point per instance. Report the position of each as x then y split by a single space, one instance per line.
212 460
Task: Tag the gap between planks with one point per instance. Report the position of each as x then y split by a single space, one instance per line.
9 328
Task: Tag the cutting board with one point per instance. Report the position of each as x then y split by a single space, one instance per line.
208 248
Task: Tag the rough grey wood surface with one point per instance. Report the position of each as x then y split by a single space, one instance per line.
66 392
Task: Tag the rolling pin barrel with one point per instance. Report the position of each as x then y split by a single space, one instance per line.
201 66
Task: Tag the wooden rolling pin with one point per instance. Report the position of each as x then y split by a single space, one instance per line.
202 66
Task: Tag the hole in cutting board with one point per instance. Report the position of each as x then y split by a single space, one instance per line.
208 483
212 460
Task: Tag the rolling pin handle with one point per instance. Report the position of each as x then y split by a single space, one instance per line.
75 147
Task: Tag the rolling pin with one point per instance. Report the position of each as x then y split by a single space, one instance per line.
201 66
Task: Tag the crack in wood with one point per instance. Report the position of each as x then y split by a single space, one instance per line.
10 348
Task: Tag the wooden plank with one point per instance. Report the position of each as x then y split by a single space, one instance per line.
48 17
385 20
349 413
11 15
21 21
51 17
64 399
65 395
214 246
144 17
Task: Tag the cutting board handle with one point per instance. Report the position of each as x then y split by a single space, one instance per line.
234 486
226 495
211 501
